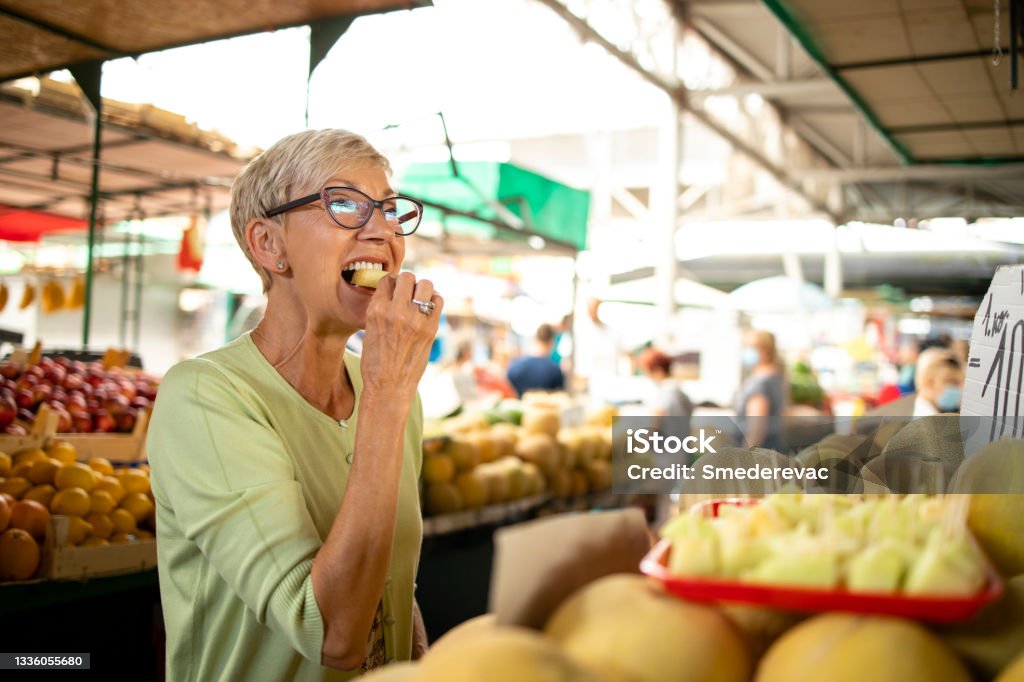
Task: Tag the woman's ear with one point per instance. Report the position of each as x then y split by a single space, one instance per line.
266 244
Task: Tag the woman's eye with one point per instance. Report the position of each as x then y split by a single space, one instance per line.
343 206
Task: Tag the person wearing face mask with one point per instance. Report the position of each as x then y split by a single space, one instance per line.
939 380
762 396
285 467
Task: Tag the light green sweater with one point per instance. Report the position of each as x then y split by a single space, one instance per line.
248 478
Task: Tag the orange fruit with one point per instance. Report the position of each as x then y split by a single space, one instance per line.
78 529
135 481
22 468
63 451
112 486
75 475
43 470
5 514
16 486
101 465
119 538
102 526
41 494
71 501
123 521
19 555
144 534
138 504
102 502
29 455
31 517
93 541
5 464
10 498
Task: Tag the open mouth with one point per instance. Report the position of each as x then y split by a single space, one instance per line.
350 270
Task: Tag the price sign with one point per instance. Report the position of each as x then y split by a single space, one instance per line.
995 364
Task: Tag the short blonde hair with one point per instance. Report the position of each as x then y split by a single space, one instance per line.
291 167
764 341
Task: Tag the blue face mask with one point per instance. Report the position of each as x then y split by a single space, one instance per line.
749 357
949 399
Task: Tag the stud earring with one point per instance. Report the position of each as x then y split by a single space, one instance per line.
280 265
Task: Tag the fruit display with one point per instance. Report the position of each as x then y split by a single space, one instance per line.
482 460
102 504
914 545
87 397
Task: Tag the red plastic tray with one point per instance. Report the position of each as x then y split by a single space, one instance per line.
935 609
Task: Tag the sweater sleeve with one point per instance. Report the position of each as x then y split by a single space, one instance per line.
219 466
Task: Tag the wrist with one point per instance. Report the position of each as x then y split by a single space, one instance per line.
393 402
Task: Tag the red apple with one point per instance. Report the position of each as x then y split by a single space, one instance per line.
8 411
73 382
41 392
62 361
36 371
115 404
81 422
126 420
141 403
16 430
9 370
104 422
24 398
26 416
64 420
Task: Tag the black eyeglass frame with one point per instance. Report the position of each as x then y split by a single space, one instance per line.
324 195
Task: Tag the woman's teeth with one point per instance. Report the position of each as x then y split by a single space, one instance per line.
363 273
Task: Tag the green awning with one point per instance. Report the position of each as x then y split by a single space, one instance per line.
492 191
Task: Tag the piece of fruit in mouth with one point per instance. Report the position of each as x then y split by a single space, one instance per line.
364 274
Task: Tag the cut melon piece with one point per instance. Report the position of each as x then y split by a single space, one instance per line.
368 278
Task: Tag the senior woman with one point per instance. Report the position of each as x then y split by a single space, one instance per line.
284 467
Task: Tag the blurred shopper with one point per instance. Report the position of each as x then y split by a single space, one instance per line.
285 469
906 359
940 380
597 350
537 371
666 399
762 397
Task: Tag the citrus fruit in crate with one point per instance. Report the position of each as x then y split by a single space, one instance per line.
113 486
75 475
138 505
101 502
5 464
63 451
42 471
78 530
123 521
71 502
30 517
16 486
28 455
93 541
5 514
122 538
101 465
42 494
19 555
134 481
102 526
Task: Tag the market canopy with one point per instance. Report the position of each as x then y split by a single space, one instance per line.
154 163
499 202
37 36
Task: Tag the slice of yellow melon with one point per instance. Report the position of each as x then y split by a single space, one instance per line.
368 278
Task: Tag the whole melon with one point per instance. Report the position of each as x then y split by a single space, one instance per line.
541 420
503 655
850 648
442 498
473 487
393 672
1013 672
480 625
989 641
624 627
540 449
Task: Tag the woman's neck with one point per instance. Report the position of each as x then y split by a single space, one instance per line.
312 361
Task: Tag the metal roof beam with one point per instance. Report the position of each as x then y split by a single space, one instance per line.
916 172
771 90
716 36
679 94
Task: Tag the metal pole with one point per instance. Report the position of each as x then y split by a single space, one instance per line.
88 76
139 272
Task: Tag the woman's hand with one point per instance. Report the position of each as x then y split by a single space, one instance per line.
396 347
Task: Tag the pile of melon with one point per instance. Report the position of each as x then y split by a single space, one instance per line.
479 463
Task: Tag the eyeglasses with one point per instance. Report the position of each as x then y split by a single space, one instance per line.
352 209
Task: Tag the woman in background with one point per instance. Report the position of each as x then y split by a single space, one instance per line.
762 397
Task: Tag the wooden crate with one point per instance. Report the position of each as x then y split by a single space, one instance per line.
42 430
63 562
117 447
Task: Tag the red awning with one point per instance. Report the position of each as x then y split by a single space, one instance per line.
19 225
